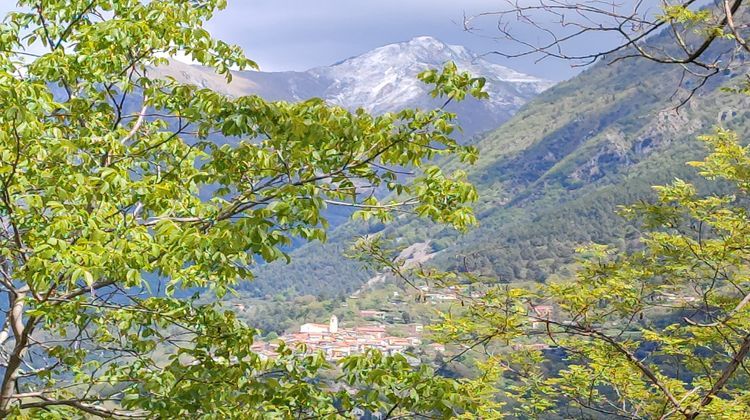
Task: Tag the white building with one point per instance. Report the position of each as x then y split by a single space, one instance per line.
332 327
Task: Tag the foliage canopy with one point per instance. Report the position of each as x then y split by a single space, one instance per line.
661 332
118 190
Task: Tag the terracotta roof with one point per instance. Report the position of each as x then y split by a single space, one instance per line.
371 328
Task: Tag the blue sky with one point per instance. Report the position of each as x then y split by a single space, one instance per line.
300 34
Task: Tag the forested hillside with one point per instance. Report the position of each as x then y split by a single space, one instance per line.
550 179
131 207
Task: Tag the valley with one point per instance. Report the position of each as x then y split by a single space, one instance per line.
550 179
395 227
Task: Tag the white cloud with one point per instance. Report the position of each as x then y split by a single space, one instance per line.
299 34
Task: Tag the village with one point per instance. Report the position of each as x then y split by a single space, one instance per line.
381 329
378 329
336 342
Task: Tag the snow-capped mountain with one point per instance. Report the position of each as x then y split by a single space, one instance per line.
383 80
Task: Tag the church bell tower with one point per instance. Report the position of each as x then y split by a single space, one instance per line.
333 326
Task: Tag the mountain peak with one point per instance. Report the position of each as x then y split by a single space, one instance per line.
427 41
383 80
386 78
416 51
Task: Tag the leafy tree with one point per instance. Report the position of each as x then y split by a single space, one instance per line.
113 199
661 332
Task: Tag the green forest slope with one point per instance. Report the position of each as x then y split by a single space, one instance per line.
550 179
